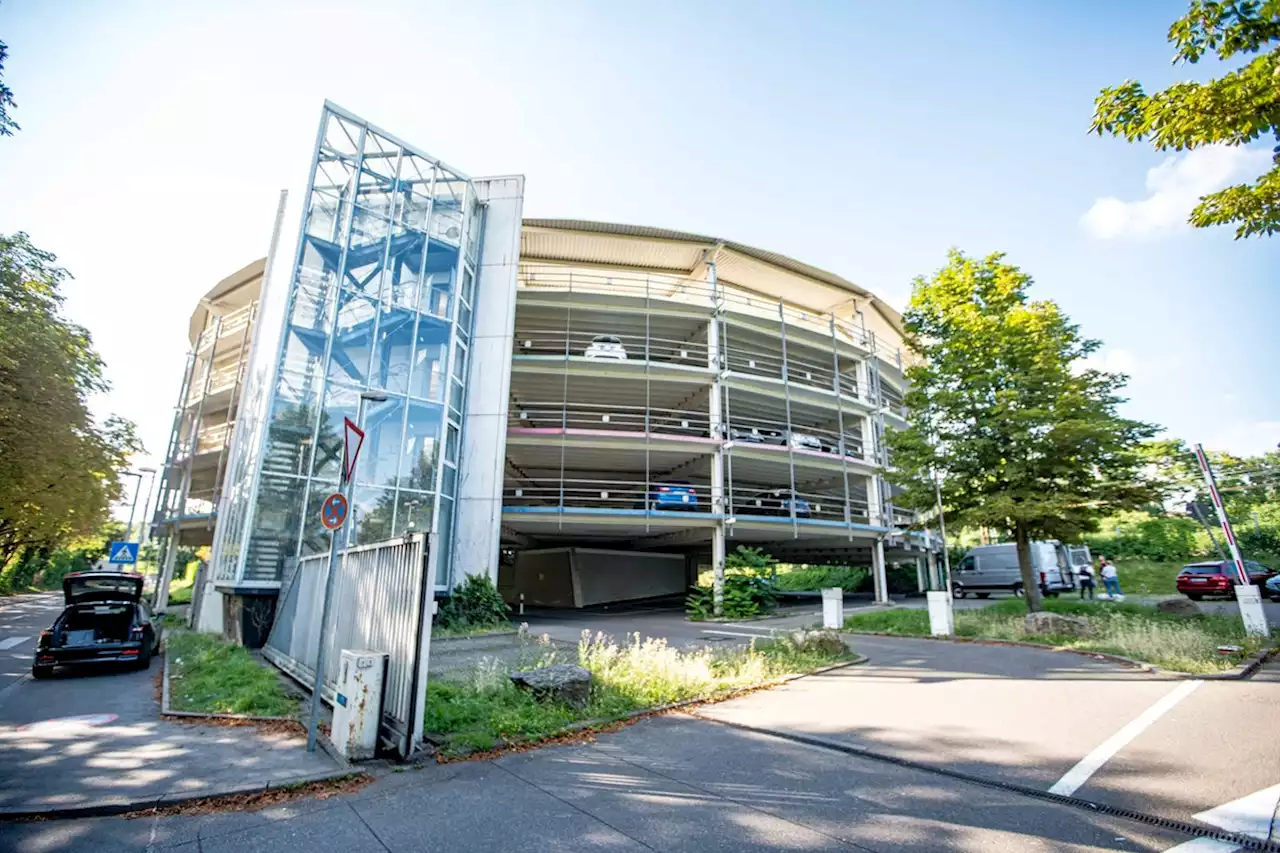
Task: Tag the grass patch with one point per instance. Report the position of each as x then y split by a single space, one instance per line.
484 710
438 631
208 676
1176 643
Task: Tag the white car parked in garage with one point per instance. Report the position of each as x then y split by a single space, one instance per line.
607 347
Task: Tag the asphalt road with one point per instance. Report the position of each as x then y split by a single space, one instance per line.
1029 716
666 784
22 618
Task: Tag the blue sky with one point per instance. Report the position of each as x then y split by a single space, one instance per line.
865 138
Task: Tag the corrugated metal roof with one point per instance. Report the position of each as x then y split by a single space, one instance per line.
696 243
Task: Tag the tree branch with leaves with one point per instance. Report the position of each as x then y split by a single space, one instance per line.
1237 108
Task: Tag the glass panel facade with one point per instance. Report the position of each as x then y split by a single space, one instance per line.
368 301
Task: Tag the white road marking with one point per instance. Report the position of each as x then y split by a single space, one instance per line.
11 642
1087 766
1254 815
735 634
1204 845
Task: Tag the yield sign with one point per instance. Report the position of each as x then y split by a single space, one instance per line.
352 440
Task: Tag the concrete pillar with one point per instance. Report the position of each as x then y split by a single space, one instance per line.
878 578
935 575
478 512
922 579
717 567
875 513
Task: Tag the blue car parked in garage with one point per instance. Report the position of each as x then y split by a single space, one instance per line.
677 495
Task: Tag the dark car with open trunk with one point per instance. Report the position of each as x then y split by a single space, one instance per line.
104 621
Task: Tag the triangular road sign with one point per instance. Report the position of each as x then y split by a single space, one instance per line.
352 440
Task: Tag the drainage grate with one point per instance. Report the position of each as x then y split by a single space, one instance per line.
1195 830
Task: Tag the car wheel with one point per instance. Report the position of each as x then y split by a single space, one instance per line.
1018 591
1194 596
958 592
144 659
983 594
41 672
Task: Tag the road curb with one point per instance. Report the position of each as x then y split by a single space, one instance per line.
1242 671
141 804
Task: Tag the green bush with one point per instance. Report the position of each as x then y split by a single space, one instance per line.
808 578
1158 538
474 605
748 590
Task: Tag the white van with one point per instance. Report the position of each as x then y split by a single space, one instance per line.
994 568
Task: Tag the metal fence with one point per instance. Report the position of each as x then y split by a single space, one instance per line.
381 601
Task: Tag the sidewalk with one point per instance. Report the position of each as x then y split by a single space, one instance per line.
96 742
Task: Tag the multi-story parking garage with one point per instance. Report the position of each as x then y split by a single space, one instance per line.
682 393
553 390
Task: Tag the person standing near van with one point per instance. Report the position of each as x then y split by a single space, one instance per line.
1086 580
1110 578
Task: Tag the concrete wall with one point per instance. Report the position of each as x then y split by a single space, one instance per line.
604 576
581 577
484 427
544 578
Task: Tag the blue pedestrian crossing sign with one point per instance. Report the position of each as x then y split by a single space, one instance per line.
122 553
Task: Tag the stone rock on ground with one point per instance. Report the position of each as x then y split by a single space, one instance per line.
823 642
563 682
1180 607
1056 623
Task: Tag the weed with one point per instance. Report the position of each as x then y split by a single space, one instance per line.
485 710
209 676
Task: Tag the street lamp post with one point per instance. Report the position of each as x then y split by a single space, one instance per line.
330 581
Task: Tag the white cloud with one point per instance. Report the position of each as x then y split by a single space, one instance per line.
1251 438
1109 361
1175 186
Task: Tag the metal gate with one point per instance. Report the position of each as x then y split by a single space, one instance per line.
382 601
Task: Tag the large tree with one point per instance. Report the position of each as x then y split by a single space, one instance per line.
1022 435
59 468
1234 109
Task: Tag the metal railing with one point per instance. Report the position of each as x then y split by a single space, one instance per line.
698 292
747 502
628 346
233 323
616 494
747 430
593 416
693 496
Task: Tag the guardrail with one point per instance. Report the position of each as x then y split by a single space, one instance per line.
233 322
699 292
605 345
691 496
545 415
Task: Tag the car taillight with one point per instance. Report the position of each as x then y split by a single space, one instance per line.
664 488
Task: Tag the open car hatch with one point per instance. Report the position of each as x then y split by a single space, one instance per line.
89 587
